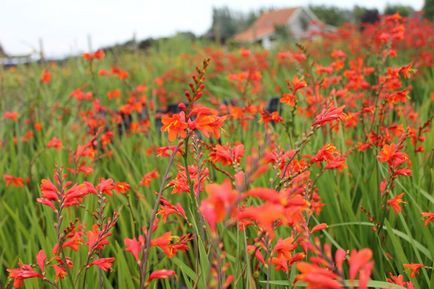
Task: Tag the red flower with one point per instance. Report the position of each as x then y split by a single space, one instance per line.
59 271
161 274
429 217
395 203
15 181
46 76
167 209
96 239
148 177
41 257
135 247
71 197
20 274
329 114
104 263
12 115
106 186
55 143
361 264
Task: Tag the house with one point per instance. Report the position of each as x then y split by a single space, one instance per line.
299 22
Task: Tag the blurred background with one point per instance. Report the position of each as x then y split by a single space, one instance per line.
56 29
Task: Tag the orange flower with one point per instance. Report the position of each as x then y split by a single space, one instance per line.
288 98
148 177
429 217
326 153
415 267
122 187
284 247
174 125
297 84
395 203
227 155
15 181
59 271
99 54
319 227
116 93
167 209
317 277
394 157
208 124
38 126
171 244
220 199
46 76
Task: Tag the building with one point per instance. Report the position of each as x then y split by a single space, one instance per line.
298 22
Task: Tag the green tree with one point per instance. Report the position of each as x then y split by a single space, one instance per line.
428 9
226 23
403 10
2 52
331 15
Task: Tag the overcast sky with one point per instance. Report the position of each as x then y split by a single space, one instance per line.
64 25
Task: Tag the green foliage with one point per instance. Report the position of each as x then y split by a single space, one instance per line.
226 23
403 10
332 15
428 10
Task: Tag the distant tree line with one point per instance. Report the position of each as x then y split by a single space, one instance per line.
226 22
428 9
2 52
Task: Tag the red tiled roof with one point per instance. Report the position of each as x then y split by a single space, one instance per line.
265 24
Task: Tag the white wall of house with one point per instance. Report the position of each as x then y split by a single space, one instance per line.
300 23
266 42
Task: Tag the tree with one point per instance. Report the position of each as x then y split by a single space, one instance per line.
331 15
2 51
428 10
365 16
403 10
226 23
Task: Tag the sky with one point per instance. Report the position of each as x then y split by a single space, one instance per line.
66 25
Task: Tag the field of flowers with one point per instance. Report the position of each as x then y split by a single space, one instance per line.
310 165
